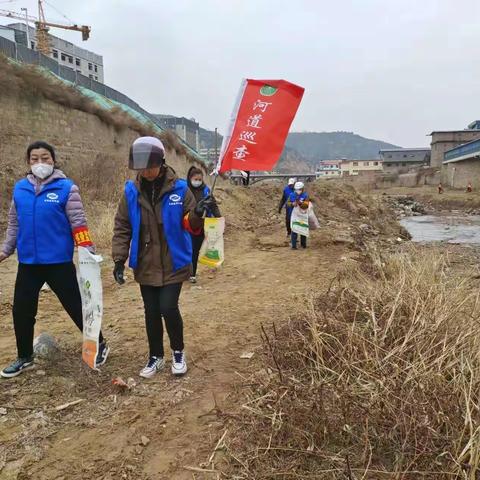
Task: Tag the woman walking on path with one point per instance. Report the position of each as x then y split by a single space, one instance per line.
155 217
298 198
45 222
200 191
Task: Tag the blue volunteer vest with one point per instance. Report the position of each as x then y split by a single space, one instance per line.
44 231
287 191
178 239
302 197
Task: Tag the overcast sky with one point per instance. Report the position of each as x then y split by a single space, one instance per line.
392 70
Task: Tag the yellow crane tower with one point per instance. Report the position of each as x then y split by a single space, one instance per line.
42 26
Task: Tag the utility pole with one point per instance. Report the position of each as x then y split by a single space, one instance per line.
26 23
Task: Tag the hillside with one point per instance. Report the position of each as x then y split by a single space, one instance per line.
292 162
207 138
305 149
316 146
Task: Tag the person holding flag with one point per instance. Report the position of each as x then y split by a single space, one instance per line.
200 191
155 218
298 199
45 222
287 191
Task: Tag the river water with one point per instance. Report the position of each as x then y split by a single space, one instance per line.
449 229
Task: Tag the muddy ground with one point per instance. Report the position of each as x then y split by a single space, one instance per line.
168 428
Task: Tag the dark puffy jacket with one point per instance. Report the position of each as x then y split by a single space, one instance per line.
155 266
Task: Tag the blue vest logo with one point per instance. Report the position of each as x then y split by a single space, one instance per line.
175 199
52 197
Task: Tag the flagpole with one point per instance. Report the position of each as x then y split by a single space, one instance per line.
216 159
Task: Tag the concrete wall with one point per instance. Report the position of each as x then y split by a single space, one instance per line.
459 174
443 141
91 152
400 167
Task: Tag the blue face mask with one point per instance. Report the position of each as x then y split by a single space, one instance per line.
196 183
298 192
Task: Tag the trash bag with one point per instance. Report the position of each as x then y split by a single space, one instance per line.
212 250
313 222
299 221
90 283
45 346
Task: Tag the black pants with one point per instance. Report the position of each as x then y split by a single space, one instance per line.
197 241
162 302
288 217
303 240
62 279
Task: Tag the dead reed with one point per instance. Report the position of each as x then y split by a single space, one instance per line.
377 378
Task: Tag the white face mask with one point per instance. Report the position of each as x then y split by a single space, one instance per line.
298 192
42 170
196 183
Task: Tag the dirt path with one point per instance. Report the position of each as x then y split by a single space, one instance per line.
101 437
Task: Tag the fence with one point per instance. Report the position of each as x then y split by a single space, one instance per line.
23 54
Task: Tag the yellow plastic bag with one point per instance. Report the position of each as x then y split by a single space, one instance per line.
212 252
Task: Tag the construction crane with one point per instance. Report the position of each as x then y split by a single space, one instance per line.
42 26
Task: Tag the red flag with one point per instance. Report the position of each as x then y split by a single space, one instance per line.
259 126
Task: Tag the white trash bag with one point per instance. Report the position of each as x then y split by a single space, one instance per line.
90 283
299 221
313 222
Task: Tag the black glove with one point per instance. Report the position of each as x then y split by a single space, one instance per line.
205 205
118 273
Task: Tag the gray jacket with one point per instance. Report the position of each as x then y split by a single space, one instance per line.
73 209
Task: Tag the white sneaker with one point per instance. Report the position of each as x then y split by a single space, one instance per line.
193 279
153 365
179 364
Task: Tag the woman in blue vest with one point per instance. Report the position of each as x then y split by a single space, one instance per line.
200 191
45 221
298 198
155 217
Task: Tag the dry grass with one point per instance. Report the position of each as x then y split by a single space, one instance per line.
378 378
101 216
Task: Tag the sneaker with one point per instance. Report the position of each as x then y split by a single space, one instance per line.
17 367
294 248
193 279
179 364
102 354
153 365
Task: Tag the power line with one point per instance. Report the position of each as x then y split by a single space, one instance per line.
59 12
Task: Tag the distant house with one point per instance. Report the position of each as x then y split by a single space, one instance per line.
462 165
360 167
187 129
444 140
328 169
210 155
400 160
